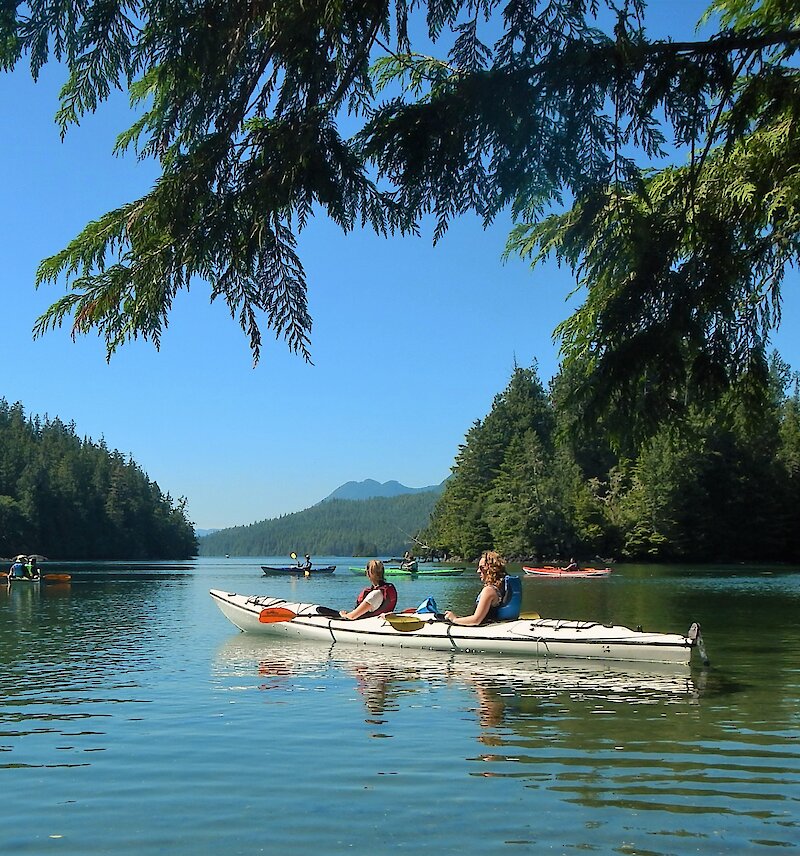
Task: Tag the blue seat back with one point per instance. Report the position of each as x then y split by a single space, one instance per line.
510 608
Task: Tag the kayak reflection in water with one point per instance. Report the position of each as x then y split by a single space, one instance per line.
379 597
492 571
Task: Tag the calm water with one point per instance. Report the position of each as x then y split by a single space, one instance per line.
136 719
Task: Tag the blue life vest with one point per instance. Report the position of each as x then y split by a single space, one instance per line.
510 601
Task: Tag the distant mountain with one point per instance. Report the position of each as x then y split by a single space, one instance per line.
379 526
201 532
369 489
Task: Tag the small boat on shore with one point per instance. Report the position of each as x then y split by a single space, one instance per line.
529 637
296 570
552 571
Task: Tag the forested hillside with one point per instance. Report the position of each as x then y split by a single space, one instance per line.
722 484
338 527
67 498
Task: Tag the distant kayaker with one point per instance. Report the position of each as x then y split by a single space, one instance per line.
306 566
17 570
408 563
377 598
492 571
572 566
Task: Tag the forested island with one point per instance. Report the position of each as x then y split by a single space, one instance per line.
720 483
70 498
337 527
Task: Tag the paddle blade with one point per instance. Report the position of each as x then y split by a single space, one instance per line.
58 578
531 615
274 614
292 555
404 623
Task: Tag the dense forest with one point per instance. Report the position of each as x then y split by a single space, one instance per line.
67 498
358 527
722 484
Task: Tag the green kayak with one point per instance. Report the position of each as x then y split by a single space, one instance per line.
419 572
440 572
389 572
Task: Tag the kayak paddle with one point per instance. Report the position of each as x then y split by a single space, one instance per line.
406 623
403 622
274 614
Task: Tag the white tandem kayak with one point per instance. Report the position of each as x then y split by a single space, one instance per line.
539 637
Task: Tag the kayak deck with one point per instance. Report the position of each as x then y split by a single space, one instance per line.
540 637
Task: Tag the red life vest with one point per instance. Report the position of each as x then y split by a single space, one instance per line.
389 599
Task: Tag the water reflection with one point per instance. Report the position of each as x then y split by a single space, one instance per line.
71 659
384 676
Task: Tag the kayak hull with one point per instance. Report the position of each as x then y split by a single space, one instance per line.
440 572
561 572
541 638
41 579
293 570
420 572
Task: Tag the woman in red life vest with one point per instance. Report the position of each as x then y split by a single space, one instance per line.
492 571
377 598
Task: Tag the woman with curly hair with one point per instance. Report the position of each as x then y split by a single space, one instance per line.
492 571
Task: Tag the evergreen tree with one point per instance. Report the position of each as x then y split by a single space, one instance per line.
71 499
718 485
520 106
462 520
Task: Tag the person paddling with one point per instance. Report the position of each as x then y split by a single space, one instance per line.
409 563
377 598
17 570
32 568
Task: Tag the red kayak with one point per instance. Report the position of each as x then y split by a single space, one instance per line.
563 572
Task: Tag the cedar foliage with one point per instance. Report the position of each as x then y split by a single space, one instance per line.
68 498
262 114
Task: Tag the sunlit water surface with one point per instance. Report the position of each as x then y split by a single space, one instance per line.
136 719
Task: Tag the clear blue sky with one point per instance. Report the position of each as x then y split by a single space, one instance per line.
410 342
